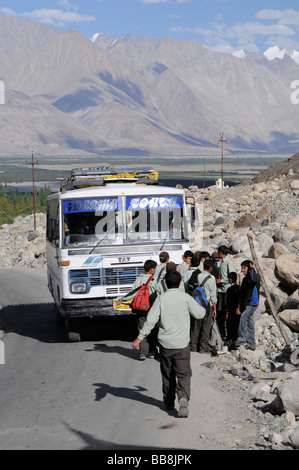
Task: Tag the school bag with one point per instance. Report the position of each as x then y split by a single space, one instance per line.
143 300
192 282
200 296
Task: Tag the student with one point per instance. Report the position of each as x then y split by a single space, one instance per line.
249 301
172 310
201 329
185 265
161 268
148 345
226 267
161 286
216 261
194 266
232 303
202 257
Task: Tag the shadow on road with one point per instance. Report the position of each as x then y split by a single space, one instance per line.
38 321
134 394
104 348
91 443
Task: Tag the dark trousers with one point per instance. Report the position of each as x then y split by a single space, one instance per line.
148 344
176 373
200 333
232 325
221 313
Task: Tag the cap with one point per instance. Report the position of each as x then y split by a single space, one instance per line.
215 255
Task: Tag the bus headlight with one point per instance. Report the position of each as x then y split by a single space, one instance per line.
78 287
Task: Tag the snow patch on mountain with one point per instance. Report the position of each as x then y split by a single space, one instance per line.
241 54
104 41
275 52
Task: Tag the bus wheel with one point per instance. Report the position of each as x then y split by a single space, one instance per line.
74 337
73 333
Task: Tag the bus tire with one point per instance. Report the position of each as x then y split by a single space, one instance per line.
74 337
73 333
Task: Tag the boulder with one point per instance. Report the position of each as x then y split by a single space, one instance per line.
287 270
245 220
293 223
292 301
294 184
291 318
210 195
277 249
264 212
294 438
288 393
265 242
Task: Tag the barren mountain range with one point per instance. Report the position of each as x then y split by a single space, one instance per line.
67 94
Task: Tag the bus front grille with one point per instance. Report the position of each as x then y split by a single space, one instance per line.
122 275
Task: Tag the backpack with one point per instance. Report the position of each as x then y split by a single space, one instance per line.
192 282
142 300
200 296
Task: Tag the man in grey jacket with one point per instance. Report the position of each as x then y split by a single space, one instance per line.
172 311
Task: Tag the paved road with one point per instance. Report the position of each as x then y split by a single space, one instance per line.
94 394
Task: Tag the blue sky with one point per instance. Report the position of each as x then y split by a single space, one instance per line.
223 25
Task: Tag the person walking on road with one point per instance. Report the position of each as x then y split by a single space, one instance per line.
172 311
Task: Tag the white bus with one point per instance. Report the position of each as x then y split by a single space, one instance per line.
101 228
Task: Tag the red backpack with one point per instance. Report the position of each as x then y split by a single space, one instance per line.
142 301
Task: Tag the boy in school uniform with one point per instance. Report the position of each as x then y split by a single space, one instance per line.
148 345
201 329
185 265
172 310
232 303
161 268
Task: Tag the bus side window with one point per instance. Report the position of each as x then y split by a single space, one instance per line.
53 223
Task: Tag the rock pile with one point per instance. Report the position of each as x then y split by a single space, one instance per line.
269 209
21 245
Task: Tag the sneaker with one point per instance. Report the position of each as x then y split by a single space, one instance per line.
151 355
141 357
222 351
183 410
240 341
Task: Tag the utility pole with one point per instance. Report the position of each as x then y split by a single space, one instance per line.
33 163
222 142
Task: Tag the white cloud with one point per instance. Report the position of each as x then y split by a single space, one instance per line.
57 17
275 14
220 36
67 5
7 11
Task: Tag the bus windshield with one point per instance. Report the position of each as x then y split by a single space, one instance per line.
91 222
154 219
101 221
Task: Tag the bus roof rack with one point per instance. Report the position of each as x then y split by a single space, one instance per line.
89 177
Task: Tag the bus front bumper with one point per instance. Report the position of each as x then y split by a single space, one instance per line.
90 308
